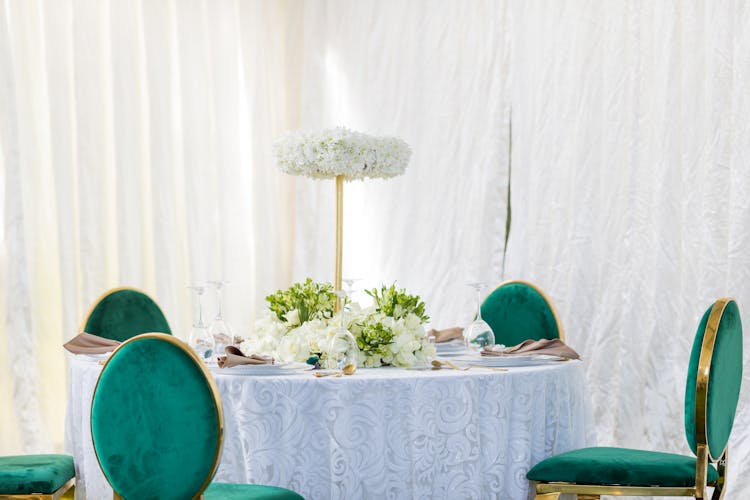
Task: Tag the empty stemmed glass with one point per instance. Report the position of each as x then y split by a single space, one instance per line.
200 340
219 329
478 334
349 290
343 351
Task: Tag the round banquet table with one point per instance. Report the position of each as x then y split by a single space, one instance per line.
381 433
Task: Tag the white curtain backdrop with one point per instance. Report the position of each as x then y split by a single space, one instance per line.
630 196
135 149
408 69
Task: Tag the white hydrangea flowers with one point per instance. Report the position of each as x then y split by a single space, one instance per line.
288 341
339 151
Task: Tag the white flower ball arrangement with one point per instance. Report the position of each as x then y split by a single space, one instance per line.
339 151
300 322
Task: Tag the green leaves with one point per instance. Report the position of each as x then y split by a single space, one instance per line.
374 339
310 299
397 303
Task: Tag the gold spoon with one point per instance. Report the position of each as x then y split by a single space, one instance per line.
347 370
437 364
490 368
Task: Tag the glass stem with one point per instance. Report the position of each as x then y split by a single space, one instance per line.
479 303
200 311
343 312
218 305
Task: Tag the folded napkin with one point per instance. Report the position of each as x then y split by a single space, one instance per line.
234 357
446 335
85 343
551 347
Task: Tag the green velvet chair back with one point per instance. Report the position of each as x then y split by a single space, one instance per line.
156 420
122 313
714 377
517 311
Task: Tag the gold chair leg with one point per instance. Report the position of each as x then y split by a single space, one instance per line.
547 496
721 483
588 497
70 494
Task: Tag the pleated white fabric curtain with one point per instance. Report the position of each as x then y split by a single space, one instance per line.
136 151
438 78
631 196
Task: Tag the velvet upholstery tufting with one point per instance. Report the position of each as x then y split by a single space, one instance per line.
626 467
225 491
157 425
124 313
725 377
27 474
154 421
516 311
619 466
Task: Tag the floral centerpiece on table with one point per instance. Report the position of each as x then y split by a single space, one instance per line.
339 151
300 321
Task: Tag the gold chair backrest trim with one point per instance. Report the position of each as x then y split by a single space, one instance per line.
106 294
211 385
703 454
704 373
558 323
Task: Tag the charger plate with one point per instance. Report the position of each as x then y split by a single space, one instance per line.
508 361
258 370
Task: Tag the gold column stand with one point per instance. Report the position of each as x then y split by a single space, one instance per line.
337 276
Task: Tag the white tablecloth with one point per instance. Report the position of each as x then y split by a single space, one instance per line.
382 433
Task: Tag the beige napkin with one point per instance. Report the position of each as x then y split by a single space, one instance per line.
551 347
85 343
234 357
446 335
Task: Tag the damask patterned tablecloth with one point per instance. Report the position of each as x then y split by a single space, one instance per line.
381 433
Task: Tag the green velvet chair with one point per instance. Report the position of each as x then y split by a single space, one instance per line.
711 396
124 312
519 310
158 426
39 477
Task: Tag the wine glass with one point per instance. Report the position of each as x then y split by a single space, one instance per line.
342 352
200 340
478 334
219 329
349 290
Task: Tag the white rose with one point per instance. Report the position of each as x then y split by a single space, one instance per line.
412 322
292 317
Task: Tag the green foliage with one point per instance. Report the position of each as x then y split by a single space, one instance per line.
397 303
374 339
312 300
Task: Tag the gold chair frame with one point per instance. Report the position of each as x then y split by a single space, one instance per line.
106 294
560 331
593 492
55 495
214 393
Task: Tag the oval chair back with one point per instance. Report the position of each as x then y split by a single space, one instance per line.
156 420
713 382
124 312
519 310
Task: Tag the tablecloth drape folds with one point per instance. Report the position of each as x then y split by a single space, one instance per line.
383 433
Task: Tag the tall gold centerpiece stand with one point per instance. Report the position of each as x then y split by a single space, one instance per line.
337 275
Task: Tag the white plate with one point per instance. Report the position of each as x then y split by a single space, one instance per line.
451 348
257 370
93 357
457 354
504 362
